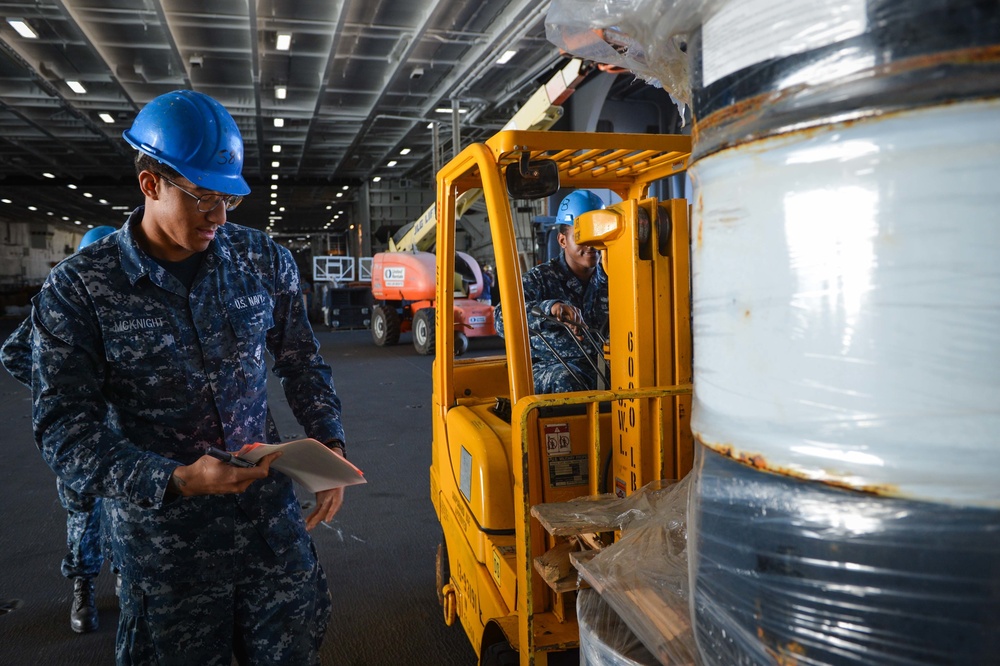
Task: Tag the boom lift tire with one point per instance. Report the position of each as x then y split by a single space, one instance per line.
500 654
385 325
423 331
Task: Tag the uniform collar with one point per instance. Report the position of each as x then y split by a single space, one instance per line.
137 263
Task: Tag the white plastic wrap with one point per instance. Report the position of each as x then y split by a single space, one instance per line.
605 640
643 576
748 68
847 304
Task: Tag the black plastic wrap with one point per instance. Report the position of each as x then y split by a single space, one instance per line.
792 571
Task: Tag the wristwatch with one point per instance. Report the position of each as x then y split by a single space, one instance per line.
336 444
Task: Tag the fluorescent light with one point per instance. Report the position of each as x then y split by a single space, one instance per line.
106 117
391 163
430 125
6 201
340 194
280 92
447 109
346 187
279 122
276 148
404 151
274 176
275 165
76 87
376 179
22 28
48 175
284 41
505 58
32 207
71 186
274 187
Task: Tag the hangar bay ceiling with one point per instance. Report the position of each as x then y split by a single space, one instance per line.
346 90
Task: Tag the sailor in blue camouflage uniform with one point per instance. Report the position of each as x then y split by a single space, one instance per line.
571 287
148 348
84 553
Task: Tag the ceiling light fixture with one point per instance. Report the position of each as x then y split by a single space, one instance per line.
391 163
274 176
447 109
106 117
276 148
274 187
76 87
22 28
346 187
48 175
505 58
275 165
376 179
280 92
404 151
284 41
340 194
279 122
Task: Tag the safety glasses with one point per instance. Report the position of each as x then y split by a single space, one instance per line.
208 202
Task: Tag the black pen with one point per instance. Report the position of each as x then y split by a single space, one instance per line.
227 457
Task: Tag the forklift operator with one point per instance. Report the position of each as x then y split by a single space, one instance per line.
566 298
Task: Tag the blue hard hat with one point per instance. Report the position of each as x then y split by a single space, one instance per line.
95 234
577 203
195 135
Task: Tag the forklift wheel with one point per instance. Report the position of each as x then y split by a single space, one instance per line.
500 654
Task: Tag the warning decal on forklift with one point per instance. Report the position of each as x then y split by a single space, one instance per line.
569 471
394 276
557 441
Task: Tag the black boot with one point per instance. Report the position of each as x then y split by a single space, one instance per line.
83 614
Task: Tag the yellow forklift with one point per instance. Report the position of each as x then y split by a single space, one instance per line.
502 453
